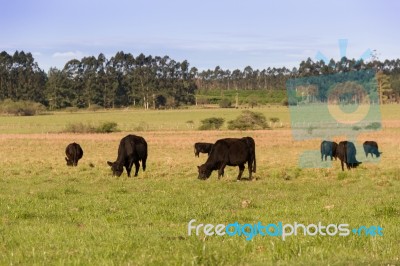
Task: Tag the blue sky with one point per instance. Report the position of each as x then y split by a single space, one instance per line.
232 34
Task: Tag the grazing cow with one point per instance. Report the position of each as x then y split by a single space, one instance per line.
202 147
346 151
328 148
231 152
74 152
371 147
131 150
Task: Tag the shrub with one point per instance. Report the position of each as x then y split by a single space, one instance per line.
21 108
374 126
107 127
249 121
274 119
211 123
225 103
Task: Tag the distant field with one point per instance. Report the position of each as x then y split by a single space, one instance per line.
152 120
132 119
52 214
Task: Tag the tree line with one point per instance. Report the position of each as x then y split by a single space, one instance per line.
158 82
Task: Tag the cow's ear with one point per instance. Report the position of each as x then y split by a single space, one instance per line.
380 152
109 163
66 159
198 167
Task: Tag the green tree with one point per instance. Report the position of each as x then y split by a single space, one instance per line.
384 86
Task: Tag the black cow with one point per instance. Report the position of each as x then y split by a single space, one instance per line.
231 152
131 150
346 151
328 148
202 147
74 153
371 147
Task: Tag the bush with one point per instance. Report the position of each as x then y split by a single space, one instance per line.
106 127
21 108
274 119
225 103
212 123
249 121
374 126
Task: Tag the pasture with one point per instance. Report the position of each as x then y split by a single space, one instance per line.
52 214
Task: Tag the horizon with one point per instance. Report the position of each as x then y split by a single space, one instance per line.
228 34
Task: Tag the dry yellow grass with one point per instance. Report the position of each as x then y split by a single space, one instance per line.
275 149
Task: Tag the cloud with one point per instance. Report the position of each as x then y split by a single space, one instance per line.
70 54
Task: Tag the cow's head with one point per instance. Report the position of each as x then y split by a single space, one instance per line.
378 154
204 172
117 168
69 162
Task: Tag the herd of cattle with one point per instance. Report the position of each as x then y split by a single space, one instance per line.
346 151
224 152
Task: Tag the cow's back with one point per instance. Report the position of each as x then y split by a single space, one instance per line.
371 144
132 146
231 151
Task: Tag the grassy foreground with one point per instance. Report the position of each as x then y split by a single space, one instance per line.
51 214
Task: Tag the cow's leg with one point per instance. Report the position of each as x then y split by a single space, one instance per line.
250 166
221 170
341 162
137 166
241 169
129 167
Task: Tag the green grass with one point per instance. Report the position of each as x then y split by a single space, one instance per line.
52 214
130 120
150 120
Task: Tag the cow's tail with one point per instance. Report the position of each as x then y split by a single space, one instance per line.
74 158
254 165
142 152
252 147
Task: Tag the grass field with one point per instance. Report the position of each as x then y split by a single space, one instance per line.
52 214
